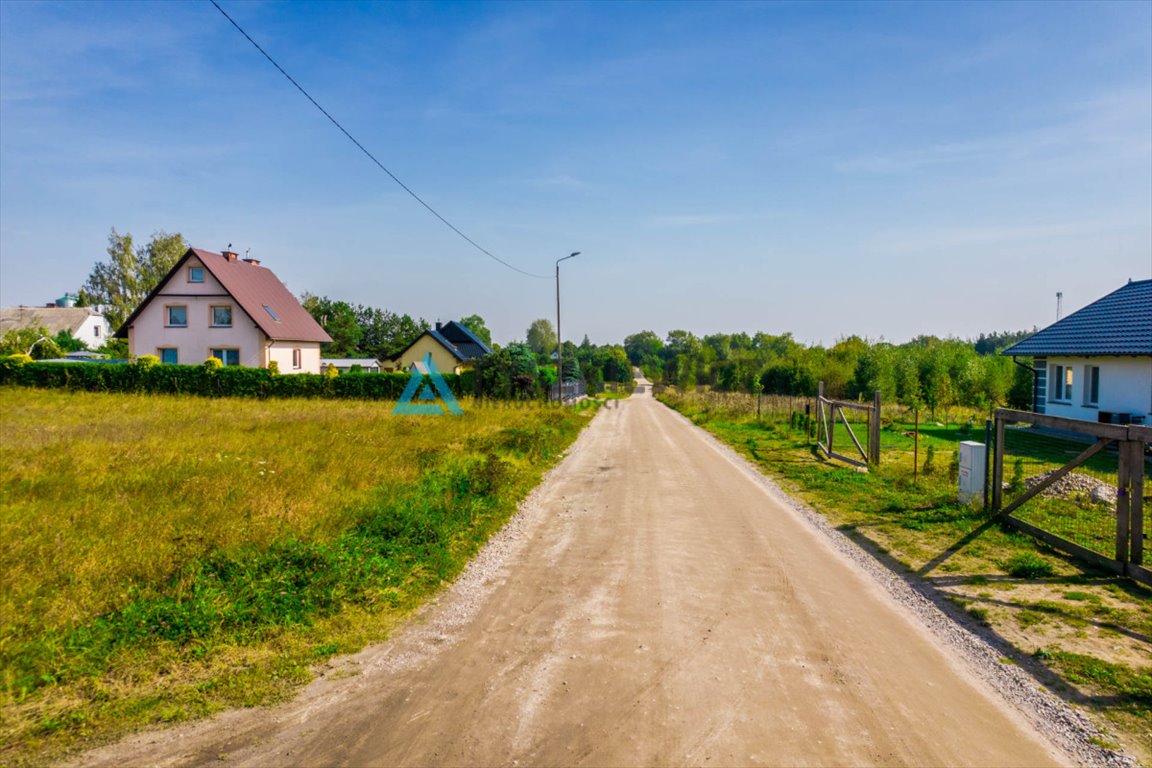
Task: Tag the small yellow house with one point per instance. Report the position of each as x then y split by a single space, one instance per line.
453 347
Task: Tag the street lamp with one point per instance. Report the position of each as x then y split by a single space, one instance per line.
559 348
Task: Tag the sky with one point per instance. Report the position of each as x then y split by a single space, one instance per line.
823 169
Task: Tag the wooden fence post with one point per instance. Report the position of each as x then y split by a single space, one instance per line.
915 444
1123 500
874 431
820 412
998 466
1136 503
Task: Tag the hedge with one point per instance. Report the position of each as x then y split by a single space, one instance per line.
230 381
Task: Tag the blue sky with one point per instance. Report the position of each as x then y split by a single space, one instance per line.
824 169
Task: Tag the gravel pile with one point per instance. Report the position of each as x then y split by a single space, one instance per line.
981 651
1073 485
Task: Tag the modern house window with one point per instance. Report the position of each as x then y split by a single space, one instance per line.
177 316
297 358
169 355
222 316
96 331
1091 385
271 312
227 356
195 274
1060 386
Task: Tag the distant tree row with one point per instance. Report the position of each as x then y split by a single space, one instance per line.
927 371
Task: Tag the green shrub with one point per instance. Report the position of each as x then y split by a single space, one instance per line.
1029 565
147 361
929 460
213 380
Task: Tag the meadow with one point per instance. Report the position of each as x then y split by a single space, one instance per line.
1084 633
164 557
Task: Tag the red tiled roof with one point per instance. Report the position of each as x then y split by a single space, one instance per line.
256 289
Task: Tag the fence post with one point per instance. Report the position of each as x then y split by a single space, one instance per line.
987 460
915 444
1123 500
874 431
998 466
820 412
1136 503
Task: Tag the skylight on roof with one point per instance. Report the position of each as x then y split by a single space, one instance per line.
268 309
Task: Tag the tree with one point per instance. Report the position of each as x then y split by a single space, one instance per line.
339 319
384 334
542 336
129 275
643 348
29 341
476 324
66 342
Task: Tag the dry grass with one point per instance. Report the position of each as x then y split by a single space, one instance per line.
109 498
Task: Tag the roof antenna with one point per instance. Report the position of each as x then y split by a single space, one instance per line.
247 251
1059 304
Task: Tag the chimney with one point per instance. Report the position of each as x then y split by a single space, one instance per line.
229 254
437 325
253 262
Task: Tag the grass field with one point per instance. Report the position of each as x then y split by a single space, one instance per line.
1086 634
166 557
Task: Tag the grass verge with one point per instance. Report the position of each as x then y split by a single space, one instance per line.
1084 633
164 558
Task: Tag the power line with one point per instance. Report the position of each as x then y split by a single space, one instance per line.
372 157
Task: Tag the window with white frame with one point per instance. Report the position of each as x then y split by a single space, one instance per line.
176 316
222 316
297 358
227 355
195 274
1060 386
1091 385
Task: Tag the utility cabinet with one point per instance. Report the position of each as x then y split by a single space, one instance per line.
972 463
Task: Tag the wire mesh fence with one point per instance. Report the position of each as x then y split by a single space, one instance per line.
1081 505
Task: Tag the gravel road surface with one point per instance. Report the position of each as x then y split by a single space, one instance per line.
651 604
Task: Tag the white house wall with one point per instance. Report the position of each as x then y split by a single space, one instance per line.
149 333
281 352
93 332
1125 387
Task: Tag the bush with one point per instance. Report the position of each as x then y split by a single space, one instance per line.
147 361
1029 565
211 379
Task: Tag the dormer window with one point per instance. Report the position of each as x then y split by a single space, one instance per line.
195 274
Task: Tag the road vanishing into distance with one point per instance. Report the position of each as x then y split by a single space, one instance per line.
652 604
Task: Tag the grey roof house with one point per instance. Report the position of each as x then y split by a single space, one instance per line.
1096 363
453 348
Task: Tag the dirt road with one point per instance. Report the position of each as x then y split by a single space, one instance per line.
652 605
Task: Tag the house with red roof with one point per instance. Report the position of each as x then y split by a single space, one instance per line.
218 305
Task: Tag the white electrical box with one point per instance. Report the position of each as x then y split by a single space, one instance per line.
972 461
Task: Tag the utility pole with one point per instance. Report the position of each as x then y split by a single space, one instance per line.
559 342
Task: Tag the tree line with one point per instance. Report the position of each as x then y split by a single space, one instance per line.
925 372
